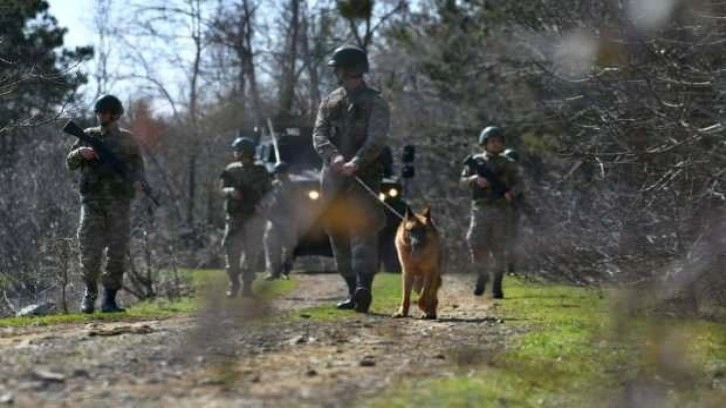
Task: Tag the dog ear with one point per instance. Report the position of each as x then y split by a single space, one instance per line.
427 214
407 214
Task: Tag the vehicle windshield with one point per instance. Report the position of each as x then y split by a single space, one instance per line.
296 150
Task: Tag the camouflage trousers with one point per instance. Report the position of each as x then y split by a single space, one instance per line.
104 225
353 220
280 240
488 236
242 244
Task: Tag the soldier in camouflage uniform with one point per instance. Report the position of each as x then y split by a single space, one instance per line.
243 184
491 212
350 132
105 205
280 232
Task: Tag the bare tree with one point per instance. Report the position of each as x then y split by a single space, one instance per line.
233 28
105 32
289 62
157 25
363 22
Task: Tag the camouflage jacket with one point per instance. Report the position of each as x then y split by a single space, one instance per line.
355 125
98 181
503 168
251 180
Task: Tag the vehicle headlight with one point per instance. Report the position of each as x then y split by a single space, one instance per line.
393 192
313 194
381 196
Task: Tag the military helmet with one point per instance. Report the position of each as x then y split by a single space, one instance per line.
511 154
281 167
351 58
244 145
490 131
110 104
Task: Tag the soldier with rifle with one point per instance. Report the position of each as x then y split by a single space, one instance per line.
112 172
494 182
243 185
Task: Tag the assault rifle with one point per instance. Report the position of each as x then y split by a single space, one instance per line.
109 159
498 188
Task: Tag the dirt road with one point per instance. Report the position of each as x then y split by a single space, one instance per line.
227 356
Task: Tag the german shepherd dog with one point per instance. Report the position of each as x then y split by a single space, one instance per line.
419 248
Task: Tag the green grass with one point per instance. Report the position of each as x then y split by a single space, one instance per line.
386 298
576 352
205 283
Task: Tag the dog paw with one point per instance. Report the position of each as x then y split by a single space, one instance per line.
429 316
398 315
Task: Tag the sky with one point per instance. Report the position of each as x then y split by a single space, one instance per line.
75 15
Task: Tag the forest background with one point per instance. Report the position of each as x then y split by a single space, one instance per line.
616 108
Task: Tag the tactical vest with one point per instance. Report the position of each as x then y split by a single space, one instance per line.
349 116
100 180
349 119
252 181
497 166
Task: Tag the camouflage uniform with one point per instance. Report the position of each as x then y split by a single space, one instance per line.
491 217
354 125
244 225
105 206
280 232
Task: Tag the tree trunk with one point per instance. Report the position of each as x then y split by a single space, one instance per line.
289 62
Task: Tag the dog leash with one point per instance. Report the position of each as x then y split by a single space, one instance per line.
375 195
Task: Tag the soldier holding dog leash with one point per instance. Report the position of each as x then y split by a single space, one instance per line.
350 132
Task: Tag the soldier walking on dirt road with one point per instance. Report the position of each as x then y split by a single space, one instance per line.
105 204
349 135
494 183
243 184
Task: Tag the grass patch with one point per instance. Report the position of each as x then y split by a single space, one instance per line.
386 298
208 282
578 353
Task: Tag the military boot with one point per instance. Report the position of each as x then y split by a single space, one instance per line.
233 287
362 296
497 292
88 303
274 274
481 284
108 303
349 303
